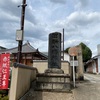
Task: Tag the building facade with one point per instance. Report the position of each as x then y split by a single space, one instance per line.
29 54
93 65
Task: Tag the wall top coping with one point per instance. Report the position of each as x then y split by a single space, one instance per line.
47 61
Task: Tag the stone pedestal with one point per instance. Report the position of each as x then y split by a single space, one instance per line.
53 82
54 79
54 71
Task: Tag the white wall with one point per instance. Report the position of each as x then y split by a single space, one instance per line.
98 64
94 67
66 56
98 49
20 82
42 65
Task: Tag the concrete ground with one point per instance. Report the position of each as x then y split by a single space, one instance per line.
56 96
38 95
89 89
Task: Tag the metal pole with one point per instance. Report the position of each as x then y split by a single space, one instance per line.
73 72
22 28
63 43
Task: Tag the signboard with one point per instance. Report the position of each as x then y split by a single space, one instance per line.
73 51
75 63
19 35
4 70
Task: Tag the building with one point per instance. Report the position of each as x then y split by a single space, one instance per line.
2 48
29 54
65 56
93 65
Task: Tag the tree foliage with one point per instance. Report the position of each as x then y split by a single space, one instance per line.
67 49
86 52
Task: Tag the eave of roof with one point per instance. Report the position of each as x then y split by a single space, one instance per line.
25 49
95 57
2 48
92 59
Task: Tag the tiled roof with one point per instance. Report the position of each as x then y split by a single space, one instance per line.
25 49
2 48
95 57
92 59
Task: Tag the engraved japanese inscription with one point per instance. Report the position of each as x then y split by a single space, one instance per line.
54 59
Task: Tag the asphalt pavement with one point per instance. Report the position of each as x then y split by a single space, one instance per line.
89 89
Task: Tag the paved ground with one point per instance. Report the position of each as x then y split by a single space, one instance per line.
38 95
89 89
85 90
93 78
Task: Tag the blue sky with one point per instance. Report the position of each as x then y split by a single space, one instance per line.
79 18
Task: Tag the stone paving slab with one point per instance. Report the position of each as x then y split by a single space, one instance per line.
57 96
87 91
40 95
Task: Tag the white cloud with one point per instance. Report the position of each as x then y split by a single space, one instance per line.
84 18
81 4
81 24
58 1
8 43
80 27
74 42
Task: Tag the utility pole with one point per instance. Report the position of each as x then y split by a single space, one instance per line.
20 42
63 43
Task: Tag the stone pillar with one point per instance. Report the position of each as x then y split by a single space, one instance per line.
80 64
54 54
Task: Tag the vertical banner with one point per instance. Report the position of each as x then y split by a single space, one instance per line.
4 70
0 73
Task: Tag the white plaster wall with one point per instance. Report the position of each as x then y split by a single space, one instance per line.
42 65
94 67
66 56
99 64
98 49
20 82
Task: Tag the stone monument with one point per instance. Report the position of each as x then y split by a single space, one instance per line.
54 54
54 79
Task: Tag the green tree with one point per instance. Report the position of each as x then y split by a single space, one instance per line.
67 49
86 52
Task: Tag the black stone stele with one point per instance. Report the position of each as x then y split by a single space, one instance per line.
54 54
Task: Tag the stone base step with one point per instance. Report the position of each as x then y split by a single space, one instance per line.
53 82
53 86
53 79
